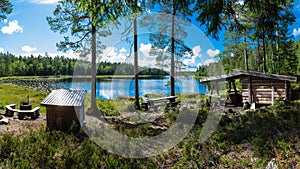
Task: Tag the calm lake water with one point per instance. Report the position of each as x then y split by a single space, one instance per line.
111 88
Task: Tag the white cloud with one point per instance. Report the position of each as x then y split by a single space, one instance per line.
196 50
213 53
45 1
193 60
240 2
13 26
112 54
123 50
145 58
209 61
4 20
1 49
28 49
145 49
69 54
296 32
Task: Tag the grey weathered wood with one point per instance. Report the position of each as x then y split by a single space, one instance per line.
63 97
250 90
258 87
150 102
242 73
33 113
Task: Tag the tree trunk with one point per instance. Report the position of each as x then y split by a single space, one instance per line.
277 50
264 55
93 67
136 77
172 80
245 53
258 55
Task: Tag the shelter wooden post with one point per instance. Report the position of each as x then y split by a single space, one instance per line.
211 92
249 89
287 91
234 86
272 94
217 86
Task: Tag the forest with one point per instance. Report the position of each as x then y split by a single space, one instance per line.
11 65
287 63
257 39
258 42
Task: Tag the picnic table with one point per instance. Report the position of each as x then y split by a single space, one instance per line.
151 102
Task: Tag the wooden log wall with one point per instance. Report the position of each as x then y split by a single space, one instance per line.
61 117
262 90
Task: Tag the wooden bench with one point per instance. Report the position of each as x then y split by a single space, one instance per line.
150 102
33 113
10 110
213 96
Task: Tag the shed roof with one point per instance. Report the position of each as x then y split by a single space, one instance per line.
64 97
243 73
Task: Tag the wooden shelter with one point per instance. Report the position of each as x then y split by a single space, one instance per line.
259 88
63 107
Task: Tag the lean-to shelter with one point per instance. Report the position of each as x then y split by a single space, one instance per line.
259 88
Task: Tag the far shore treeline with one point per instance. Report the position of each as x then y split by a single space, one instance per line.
11 65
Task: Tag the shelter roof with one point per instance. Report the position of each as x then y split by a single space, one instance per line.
63 97
243 73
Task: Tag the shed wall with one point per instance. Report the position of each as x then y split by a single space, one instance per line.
62 117
262 90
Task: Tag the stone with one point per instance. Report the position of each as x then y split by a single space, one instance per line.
3 120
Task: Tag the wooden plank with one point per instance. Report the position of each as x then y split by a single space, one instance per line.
257 80
270 88
249 89
263 81
286 89
257 92
272 97
263 99
264 102
265 95
264 90
281 86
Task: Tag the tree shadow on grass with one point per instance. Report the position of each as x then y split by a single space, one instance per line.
264 128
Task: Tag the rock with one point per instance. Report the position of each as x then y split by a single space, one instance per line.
272 164
3 120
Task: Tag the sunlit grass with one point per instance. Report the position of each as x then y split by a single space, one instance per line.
245 141
10 93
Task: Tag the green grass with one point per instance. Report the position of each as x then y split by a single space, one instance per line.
10 93
245 141
248 141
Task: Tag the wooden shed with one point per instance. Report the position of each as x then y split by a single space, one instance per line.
259 88
63 107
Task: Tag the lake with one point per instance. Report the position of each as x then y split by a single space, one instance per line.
110 88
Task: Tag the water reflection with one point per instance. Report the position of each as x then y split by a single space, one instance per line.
111 88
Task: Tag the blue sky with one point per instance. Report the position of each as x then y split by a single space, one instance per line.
27 32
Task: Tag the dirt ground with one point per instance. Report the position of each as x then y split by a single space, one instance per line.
16 126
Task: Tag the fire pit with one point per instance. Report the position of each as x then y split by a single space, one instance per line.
25 106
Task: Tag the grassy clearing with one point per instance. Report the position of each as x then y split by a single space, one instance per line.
247 141
250 140
15 94
10 93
